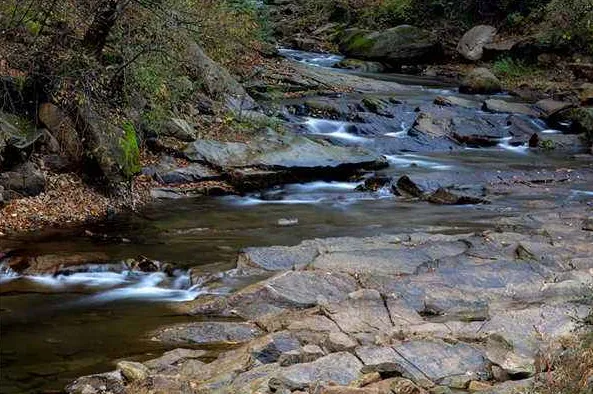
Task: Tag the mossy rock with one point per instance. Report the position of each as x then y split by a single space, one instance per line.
581 119
397 46
480 81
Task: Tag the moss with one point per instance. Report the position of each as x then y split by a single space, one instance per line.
130 163
360 43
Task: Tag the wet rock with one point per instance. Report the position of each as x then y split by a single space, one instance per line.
295 289
338 368
581 120
374 184
378 106
277 258
431 126
406 186
445 197
190 174
287 222
25 180
270 348
132 371
449 101
110 382
169 362
502 106
209 333
400 45
290 157
52 263
361 66
471 45
480 81
550 108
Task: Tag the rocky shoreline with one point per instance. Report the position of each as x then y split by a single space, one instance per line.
407 313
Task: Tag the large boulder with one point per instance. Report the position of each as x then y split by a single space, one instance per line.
24 180
15 140
471 45
480 81
62 128
276 158
400 45
216 80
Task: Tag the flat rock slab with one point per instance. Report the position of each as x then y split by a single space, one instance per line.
438 360
495 105
363 312
339 368
209 333
277 258
280 152
190 174
292 289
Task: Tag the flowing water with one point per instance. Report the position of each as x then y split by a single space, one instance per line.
55 328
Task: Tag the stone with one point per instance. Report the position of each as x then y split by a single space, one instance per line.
270 348
110 382
502 106
449 101
53 263
550 108
339 342
25 180
363 312
208 333
361 66
179 129
406 386
443 196
438 360
132 371
195 172
406 186
338 368
296 289
277 258
471 45
476 385
400 45
63 129
169 361
480 81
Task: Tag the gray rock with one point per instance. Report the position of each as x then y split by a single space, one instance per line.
363 312
281 152
471 45
179 129
480 81
396 46
456 101
278 258
438 360
209 332
168 362
495 105
193 173
339 368
340 342
550 108
110 382
270 348
132 371
24 180
293 289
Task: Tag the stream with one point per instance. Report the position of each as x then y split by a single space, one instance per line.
56 328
